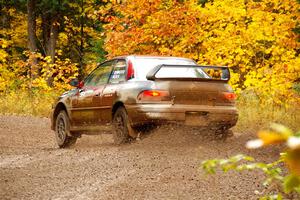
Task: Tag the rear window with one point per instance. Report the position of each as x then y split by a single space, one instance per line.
193 71
143 65
181 72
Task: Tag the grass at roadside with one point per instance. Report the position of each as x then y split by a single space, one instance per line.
252 114
27 103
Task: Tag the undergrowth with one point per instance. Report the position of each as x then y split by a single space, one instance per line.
255 115
34 103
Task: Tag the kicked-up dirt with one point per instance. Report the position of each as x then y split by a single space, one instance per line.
163 165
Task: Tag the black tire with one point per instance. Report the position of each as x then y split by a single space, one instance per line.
62 131
122 130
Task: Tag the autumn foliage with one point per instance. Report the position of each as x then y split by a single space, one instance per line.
257 39
254 38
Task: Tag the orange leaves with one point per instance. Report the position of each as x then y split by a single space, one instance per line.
271 137
276 134
157 27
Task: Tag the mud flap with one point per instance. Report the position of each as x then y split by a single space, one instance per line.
131 132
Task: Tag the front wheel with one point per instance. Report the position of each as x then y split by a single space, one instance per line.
62 131
122 130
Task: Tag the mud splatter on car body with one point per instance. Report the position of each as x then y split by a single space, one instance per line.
147 90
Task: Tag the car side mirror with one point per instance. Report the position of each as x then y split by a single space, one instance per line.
76 83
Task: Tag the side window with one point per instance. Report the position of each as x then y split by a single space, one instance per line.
119 72
100 75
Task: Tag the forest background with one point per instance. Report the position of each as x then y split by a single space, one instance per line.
46 43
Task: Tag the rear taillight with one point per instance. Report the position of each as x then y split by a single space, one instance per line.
154 95
229 96
130 70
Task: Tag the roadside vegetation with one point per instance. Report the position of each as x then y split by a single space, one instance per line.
252 115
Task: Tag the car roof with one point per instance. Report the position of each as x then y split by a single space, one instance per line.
151 57
161 57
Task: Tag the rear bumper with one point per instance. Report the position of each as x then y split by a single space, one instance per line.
191 115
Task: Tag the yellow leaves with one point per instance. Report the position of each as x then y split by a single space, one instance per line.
61 71
272 81
48 59
18 34
11 11
63 37
276 134
40 83
3 55
271 137
292 160
5 43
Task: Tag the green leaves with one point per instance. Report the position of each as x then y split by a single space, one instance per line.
272 197
226 165
291 183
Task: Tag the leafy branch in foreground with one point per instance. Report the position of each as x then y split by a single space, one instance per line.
288 184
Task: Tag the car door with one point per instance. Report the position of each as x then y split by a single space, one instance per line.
87 102
110 92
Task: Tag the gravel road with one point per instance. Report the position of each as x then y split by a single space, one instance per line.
163 165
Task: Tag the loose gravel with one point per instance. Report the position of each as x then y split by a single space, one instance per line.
165 164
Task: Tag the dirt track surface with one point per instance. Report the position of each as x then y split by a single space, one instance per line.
163 165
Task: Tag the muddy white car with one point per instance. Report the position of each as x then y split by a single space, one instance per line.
129 92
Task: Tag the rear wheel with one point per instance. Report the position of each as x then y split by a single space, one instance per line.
122 130
62 131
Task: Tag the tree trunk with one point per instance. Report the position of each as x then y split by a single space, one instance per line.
46 27
31 25
32 40
51 46
81 42
51 42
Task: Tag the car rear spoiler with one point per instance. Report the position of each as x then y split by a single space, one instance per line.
151 74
